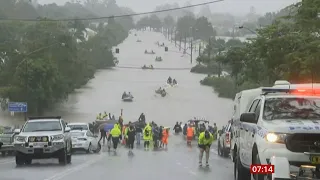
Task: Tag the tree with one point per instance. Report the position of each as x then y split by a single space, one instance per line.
286 49
42 62
203 29
155 22
168 22
184 25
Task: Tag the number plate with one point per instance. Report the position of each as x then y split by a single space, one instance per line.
38 144
315 159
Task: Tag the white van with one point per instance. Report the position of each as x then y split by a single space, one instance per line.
241 102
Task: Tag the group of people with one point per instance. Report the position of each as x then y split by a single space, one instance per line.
132 132
124 95
151 133
172 81
161 90
105 115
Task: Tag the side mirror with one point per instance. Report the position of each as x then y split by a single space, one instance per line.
17 131
67 129
248 118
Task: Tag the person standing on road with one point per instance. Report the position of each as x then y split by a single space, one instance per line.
103 136
147 136
165 136
204 142
138 134
190 134
130 135
115 136
142 118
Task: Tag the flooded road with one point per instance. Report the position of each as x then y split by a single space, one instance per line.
103 93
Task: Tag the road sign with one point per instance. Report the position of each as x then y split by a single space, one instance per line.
17 106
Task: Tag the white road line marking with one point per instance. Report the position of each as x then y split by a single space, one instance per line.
178 163
185 167
193 173
74 169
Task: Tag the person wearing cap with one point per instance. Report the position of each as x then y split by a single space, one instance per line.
204 143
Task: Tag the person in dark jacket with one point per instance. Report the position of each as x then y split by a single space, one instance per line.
156 138
142 118
185 127
177 128
138 134
103 136
131 134
160 136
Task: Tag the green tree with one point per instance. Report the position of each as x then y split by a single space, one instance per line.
184 25
203 29
168 22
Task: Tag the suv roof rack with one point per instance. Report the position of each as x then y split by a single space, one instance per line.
44 117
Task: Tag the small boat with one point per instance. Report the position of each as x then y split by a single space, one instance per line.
127 98
163 93
145 67
159 59
146 52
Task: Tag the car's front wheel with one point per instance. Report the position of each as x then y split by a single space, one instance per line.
240 172
20 159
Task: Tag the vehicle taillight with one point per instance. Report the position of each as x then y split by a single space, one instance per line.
228 137
82 139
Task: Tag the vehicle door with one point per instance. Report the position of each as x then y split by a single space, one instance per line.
91 138
245 129
253 130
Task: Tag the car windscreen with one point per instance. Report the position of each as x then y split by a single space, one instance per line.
35 126
292 108
78 127
77 134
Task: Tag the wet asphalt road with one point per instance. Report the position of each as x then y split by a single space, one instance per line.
177 162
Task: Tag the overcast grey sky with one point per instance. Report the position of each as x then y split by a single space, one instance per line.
231 6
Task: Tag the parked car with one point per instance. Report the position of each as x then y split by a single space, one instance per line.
84 140
224 140
6 141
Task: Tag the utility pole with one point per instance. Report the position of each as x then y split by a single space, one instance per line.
185 41
175 38
219 65
171 32
199 49
191 52
168 33
209 49
180 43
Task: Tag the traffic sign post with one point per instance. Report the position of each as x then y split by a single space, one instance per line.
18 107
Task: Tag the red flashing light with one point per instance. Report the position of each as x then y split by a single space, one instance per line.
307 91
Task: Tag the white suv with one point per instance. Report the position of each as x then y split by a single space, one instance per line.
43 138
282 122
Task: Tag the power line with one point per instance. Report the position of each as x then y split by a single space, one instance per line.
131 67
117 16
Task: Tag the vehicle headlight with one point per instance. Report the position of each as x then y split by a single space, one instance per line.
20 139
57 137
276 137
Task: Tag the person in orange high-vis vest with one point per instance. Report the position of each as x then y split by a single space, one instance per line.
165 136
190 134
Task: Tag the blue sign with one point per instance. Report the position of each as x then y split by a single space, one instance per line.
18 107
